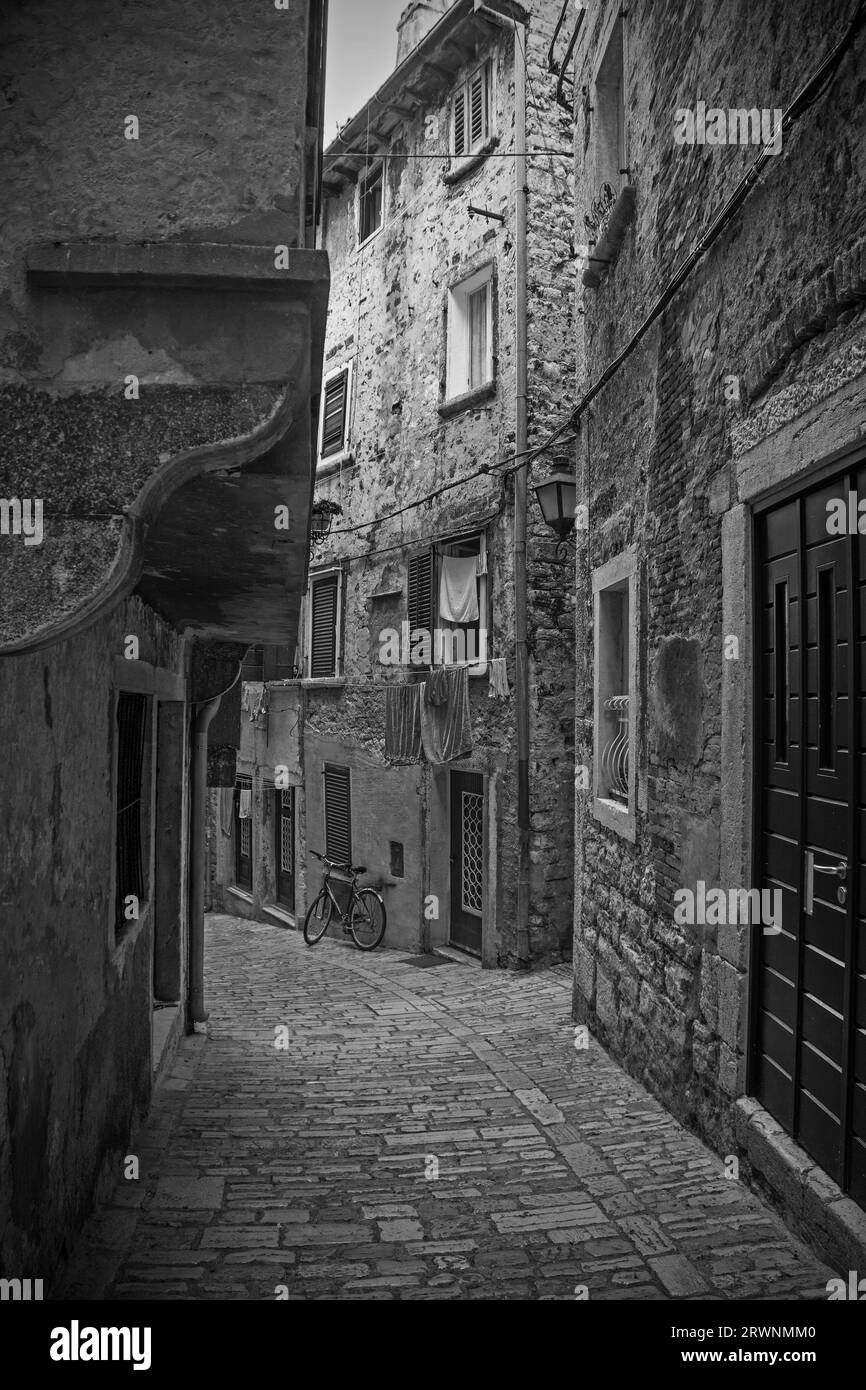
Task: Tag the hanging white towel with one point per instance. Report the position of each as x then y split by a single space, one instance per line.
458 591
497 678
244 803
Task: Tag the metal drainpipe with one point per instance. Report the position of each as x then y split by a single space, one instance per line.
204 715
521 686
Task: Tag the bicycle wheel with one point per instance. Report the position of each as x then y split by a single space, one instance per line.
318 918
367 919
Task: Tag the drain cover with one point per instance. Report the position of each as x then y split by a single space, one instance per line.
427 962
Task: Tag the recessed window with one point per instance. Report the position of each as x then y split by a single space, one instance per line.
448 601
470 334
470 114
244 833
334 413
615 598
370 204
610 151
324 625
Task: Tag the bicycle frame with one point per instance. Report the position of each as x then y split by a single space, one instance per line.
326 884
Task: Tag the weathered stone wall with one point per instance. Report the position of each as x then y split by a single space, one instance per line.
657 457
219 92
75 1004
387 317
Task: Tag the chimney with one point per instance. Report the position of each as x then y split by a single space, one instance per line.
415 22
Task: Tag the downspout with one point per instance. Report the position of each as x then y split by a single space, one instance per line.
203 716
521 682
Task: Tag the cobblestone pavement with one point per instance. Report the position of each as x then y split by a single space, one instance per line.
424 1133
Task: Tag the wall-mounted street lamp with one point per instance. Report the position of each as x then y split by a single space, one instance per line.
556 496
321 521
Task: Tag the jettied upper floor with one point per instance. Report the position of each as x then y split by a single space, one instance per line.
162 314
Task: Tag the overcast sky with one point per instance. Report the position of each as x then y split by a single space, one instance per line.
362 48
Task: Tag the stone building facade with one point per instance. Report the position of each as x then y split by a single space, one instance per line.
162 314
714 601
420 218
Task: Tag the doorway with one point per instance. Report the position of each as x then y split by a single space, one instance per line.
467 860
808 1002
284 849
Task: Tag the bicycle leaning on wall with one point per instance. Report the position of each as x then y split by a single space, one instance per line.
364 917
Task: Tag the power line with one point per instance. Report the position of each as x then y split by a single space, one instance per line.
449 154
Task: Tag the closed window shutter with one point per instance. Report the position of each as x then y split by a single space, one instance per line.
334 415
421 592
323 643
338 814
478 109
460 123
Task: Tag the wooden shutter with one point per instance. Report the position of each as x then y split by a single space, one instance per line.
334 415
478 109
421 593
459 121
338 814
323 624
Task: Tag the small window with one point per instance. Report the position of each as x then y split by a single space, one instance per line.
615 597
470 114
334 414
324 623
244 833
470 334
370 204
447 604
338 813
129 855
461 608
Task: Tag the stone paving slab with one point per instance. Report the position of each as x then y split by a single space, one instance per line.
425 1134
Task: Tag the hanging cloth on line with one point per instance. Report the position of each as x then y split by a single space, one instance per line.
403 723
458 589
497 678
446 728
245 803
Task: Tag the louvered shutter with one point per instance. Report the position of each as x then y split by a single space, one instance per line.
478 109
459 119
338 814
421 593
323 623
334 415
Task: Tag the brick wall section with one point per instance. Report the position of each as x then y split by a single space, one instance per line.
656 455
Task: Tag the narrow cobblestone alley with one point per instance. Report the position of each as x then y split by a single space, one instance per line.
425 1133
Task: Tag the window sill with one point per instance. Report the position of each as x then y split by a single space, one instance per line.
607 247
467 401
323 682
331 464
371 237
467 166
615 816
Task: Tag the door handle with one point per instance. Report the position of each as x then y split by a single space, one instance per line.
839 870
